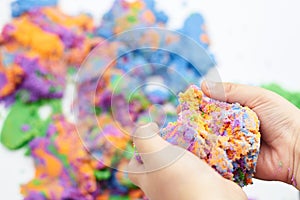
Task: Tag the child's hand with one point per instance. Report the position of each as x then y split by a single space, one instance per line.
170 172
280 127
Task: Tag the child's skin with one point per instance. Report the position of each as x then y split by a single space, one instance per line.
170 172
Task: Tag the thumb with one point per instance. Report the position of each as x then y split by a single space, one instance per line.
155 152
234 93
147 139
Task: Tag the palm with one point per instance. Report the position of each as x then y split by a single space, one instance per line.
274 161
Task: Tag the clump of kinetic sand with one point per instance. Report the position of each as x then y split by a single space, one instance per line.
225 135
38 49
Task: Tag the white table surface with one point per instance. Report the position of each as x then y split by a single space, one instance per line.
254 42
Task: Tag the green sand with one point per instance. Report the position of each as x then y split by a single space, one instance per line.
293 97
26 114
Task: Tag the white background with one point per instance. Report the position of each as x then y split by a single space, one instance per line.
254 42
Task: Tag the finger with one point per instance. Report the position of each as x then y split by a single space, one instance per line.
147 140
135 167
232 93
135 171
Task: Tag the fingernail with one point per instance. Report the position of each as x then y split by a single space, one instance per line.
210 86
151 125
146 131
